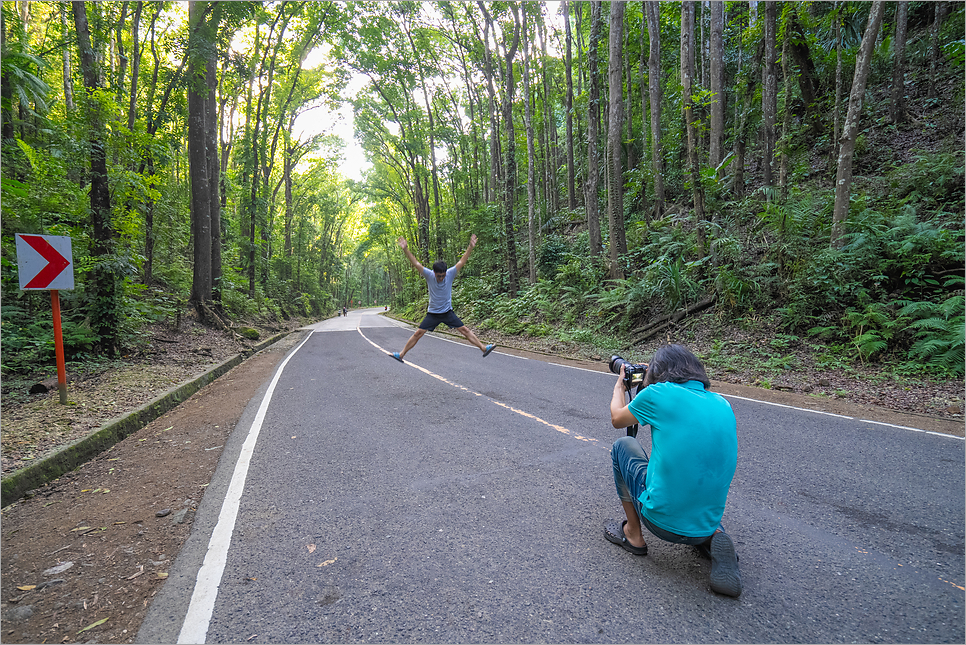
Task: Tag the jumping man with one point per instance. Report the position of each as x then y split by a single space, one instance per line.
440 310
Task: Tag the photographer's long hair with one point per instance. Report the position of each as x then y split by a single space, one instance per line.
675 363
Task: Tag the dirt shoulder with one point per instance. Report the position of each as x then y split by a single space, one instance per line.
84 555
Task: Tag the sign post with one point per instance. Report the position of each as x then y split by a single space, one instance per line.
59 347
46 262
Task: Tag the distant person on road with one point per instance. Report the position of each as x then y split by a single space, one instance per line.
440 310
679 493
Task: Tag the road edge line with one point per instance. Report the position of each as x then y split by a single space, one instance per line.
194 628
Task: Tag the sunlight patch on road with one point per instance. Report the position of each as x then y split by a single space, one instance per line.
556 427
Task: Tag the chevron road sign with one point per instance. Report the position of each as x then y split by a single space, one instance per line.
45 262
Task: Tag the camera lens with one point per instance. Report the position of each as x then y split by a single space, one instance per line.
615 364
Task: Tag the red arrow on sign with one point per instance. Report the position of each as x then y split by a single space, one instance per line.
55 261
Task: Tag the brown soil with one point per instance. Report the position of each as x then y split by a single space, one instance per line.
84 555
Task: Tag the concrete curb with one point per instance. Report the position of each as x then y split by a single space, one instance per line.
66 459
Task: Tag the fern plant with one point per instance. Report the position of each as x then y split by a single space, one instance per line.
874 327
940 330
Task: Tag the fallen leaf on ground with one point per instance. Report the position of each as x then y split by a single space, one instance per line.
311 548
327 562
93 625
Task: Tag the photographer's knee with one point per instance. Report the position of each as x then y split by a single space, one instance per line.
619 447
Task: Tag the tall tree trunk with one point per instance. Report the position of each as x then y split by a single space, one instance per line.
687 89
105 289
496 171
531 157
654 81
897 109
717 84
250 174
642 88
432 137
6 91
631 146
198 159
552 156
593 133
571 169
68 85
837 125
746 98
843 178
149 234
510 165
787 115
135 65
287 164
119 45
212 150
615 216
808 82
769 95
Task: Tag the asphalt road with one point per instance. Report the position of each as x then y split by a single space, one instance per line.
462 499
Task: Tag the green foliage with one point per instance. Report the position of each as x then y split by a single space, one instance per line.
553 253
20 72
931 180
884 259
873 326
939 330
28 336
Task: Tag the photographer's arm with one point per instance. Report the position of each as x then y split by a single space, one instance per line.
620 414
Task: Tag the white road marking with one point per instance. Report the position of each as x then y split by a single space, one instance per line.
523 413
842 416
196 621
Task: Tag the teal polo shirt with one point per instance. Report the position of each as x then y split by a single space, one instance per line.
694 453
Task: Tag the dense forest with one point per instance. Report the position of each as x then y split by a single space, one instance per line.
624 164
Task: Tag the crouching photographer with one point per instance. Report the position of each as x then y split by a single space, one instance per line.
679 493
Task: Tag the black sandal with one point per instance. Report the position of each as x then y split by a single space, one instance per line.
614 532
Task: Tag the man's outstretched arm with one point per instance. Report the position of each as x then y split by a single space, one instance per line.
409 254
466 255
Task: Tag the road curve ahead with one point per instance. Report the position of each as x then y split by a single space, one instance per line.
460 499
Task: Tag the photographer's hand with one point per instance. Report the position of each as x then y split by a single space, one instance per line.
620 414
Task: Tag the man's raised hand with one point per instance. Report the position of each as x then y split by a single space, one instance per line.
402 243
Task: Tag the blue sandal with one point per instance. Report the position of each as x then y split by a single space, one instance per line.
397 357
489 348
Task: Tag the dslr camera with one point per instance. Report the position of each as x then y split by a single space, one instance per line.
633 372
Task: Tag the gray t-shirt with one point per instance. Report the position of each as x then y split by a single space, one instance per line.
440 293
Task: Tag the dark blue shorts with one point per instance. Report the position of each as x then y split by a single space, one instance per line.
431 321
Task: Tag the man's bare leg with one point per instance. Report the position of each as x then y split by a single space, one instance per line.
419 333
470 336
632 530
